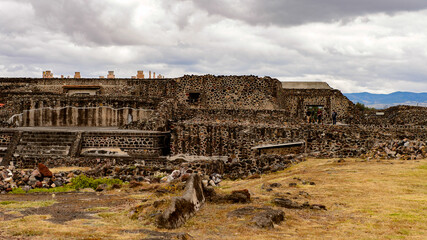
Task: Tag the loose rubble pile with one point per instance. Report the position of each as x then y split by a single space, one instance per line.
398 149
41 177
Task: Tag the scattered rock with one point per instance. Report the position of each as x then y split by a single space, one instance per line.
304 194
101 187
239 196
134 184
267 218
254 176
264 217
44 171
287 203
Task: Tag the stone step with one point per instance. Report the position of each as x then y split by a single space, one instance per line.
46 143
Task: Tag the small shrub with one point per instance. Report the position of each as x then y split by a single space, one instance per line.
82 181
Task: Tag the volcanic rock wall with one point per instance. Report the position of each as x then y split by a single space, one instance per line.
230 92
398 115
237 139
130 144
5 140
234 115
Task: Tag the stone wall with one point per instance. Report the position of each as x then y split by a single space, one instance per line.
235 115
5 140
264 95
398 115
111 87
31 147
282 150
229 92
237 139
125 144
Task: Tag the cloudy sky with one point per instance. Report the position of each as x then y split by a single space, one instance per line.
378 46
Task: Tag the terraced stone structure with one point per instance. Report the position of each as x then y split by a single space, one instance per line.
65 120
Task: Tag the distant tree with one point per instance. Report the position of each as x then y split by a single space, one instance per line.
361 107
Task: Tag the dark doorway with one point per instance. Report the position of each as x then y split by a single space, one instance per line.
194 97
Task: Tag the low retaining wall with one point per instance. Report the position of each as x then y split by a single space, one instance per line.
236 139
27 148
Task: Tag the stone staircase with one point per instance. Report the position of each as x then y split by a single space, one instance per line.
45 144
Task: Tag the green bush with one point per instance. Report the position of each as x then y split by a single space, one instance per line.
82 181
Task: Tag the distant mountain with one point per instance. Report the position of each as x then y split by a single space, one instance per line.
388 100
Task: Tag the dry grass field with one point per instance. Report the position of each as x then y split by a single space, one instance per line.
364 200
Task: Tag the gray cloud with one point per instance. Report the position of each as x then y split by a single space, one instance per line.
87 22
296 12
290 40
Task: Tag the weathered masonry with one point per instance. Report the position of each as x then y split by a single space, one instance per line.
63 119
115 102
27 146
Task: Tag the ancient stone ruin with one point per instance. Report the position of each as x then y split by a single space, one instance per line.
193 129
229 120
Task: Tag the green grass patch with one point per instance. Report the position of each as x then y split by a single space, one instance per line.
82 181
97 209
7 202
423 167
406 216
108 214
25 204
28 233
44 190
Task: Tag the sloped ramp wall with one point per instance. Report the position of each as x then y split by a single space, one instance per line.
80 116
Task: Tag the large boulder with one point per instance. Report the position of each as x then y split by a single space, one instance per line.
184 207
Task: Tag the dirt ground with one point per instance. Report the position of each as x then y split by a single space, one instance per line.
364 200
67 206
